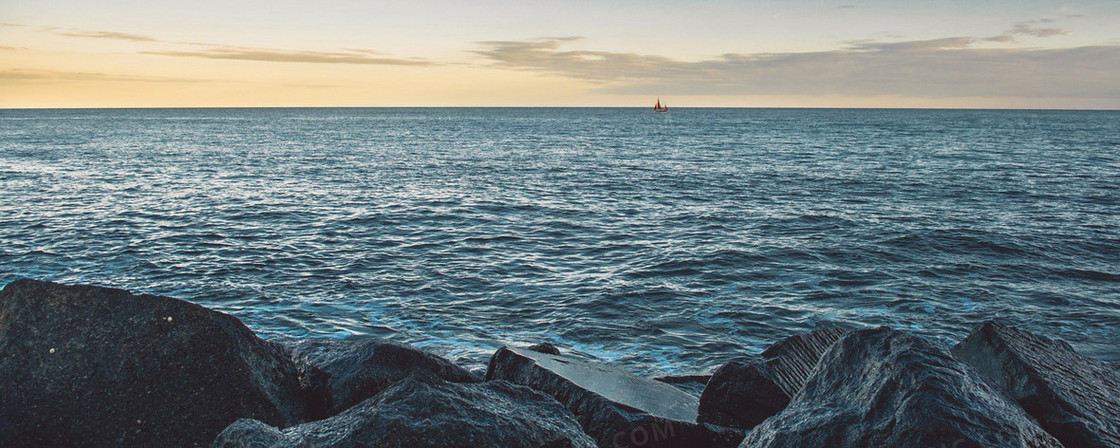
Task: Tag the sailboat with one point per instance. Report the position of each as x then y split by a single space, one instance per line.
659 108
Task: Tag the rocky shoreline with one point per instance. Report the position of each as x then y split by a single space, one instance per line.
93 366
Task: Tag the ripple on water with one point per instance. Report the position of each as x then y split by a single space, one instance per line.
660 243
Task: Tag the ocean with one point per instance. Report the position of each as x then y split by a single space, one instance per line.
659 243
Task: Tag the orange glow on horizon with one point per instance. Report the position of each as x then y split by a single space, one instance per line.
793 54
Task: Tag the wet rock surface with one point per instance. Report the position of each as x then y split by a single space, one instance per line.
92 366
616 408
881 387
741 394
745 391
1074 398
362 366
429 412
545 347
792 359
692 384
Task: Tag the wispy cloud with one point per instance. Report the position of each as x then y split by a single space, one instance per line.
1004 38
362 56
19 75
367 57
947 43
101 34
544 55
1070 12
1028 28
939 68
366 51
56 76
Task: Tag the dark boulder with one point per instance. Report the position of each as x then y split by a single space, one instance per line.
1074 398
616 408
792 359
885 388
92 366
741 394
251 433
420 412
362 366
545 347
745 391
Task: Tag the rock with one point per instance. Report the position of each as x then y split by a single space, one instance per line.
885 388
792 359
545 347
247 432
135 370
362 366
1074 398
616 408
422 412
745 391
741 394
680 379
693 384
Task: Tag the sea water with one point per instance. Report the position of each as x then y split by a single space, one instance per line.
661 243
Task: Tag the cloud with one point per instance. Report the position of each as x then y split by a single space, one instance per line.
101 35
297 56
366 51
544 55
362 56
939 68
55 76
912 46
1028 29
19 75
1000 38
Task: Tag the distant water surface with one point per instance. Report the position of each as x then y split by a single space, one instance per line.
662 243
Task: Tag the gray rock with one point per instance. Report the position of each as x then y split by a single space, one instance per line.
678 379
792 359
362 366
545 347
693 384
1074 398
249 433
741 394
420 412
885 388
745 391
92 366
616 408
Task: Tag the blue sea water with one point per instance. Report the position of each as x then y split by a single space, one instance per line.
662 243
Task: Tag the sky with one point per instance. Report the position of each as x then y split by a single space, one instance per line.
703 53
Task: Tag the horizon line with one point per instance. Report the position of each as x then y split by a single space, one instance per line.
558 107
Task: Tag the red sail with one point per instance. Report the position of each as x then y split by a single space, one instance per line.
658 106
